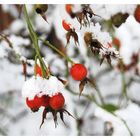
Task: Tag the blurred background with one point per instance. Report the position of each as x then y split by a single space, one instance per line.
119 84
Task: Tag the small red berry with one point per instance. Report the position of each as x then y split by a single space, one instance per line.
137 14
69 8
35 103
66 25
38 70
109 45
57 101
116 42
45 100
78 72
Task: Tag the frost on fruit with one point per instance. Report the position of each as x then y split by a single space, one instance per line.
43 92
40 86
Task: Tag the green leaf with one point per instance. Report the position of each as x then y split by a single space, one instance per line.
110 107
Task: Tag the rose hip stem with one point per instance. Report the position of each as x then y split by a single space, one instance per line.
57 50
34 39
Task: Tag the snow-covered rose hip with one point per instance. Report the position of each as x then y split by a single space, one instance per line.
78 72
35 103
57 101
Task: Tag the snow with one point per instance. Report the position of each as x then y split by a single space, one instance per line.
10 74
106 11
2 52
130 114
109 83
103 37
18 42
40 86
16 26
130 38
11 9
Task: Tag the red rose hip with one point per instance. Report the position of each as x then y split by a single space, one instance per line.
66 25
38 70
34 104
68 8
45 100
57 101
137 14
78 72
116 42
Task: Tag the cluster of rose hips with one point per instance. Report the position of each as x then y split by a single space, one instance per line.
53 104
78 73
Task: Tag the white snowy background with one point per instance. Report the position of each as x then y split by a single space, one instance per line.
17 119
